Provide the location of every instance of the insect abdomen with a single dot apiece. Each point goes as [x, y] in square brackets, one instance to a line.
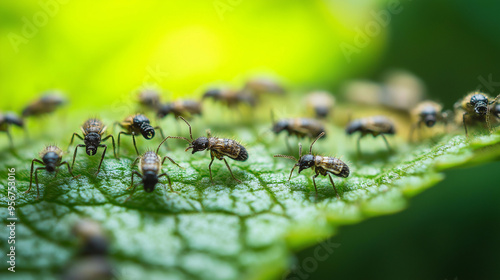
[93, 126]
[334, 166]
[150, 161]
[229, 148]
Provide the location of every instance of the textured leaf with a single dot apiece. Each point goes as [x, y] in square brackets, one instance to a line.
[223, 230]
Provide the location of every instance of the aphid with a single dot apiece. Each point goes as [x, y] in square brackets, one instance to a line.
[150, 164]
[93, 130]
[92, 261]
[218, 147]
[300, 127]
[399, 90]
[6, 120]
[149, 98]
[51, 160]
[92, 238]
[231, 98]
[185, 108]
[135, 125]
[476, 107]
[263, 85]
[428, 113]
[376, 125]
[321, 102]
[320, 164]
[48, 103]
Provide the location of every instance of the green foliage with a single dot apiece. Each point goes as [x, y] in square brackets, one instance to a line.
[223, 230]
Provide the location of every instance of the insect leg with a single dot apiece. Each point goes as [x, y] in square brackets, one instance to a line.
[231, 171]
[69, 169]
[161, 131]
[73, 138]
[135, 145]
[132, 178]
[102, 158]
[11, 142]
[169, 181]
[465, 125]
[36, 181]
[359, 144]
[291, 172]
[314, 182]
[132, 183]
[386, 142]
[135, 161]
[31, 173]
[333, 185]
[171, 160]
[112, 141]
[74, 154]
[210, 167]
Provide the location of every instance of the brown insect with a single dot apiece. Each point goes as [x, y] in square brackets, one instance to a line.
[321, 102]
[51, 160]
[150, 164]
[231, 98]
[46, 104]
[92, 261]
[92, 238]
[477, 108]
[136, 125]
[218, 147]
[428, 113]
[149, 98]
[92, 130]
[184, 108]
[300, 127]
[262, 85]
[376, 125]
[6, 120]
[320, 164]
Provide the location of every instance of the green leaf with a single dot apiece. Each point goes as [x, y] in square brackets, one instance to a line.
[223, 230]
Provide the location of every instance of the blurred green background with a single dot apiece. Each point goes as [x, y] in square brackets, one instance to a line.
[100, 52]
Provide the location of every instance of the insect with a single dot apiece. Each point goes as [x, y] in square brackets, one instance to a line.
[428, 113]
[51, 160]
[135, 125]
[320, 164]
[6, 120]
[46, 104]
[476, 107]
[231, 98]
[150, 164]
[300, 127]
[185, 108]
[496, 110]
[321, 102]
[92, 238]
[93, 129]
[92, 260]
[376, 125]
[149, 98]
[263, 85]
[218, 147]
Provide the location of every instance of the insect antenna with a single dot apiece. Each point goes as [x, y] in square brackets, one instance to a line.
[319, 136]
[285, 156]
[190, 133]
